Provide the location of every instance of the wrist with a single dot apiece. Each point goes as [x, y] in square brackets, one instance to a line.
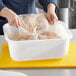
[51, 7]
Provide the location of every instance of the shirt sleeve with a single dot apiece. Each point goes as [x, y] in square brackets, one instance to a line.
[1, 4]
[44, 3]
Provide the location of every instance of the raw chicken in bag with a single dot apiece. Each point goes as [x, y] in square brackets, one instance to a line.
[37, 27]
[28, 28]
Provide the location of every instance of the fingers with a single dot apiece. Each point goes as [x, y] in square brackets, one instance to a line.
[11, 23]
[52, 19]
[49, 19]
[19, 22]
[15, 22]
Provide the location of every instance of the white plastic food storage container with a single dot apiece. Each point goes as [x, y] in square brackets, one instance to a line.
[37, 49]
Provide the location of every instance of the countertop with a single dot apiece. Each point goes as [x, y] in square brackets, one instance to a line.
[46, 72]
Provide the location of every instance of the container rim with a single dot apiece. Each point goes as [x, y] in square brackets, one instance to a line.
[68, 37]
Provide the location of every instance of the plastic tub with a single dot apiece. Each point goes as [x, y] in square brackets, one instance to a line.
[37, 49]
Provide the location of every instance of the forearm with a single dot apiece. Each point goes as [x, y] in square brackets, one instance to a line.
[5, 12]
[12, 18]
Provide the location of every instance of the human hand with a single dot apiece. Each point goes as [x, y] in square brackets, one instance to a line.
[12, 18]
[51, 15]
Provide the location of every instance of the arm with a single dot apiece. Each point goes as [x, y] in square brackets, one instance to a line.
[50, 7]
[45, 3]
[9, 15]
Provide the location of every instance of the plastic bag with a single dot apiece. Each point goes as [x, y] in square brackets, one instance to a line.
[36, 27]
[28, 27]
